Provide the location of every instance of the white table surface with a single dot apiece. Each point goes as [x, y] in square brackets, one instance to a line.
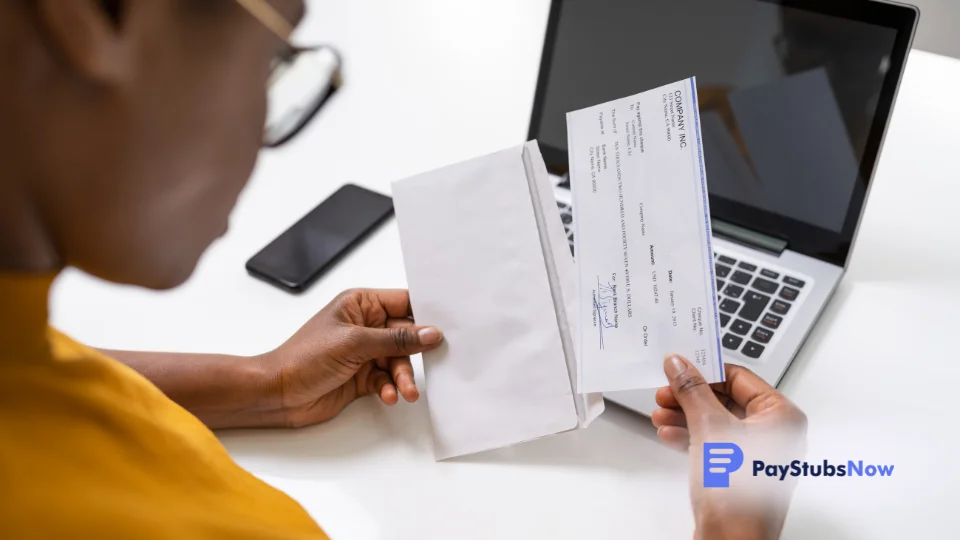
[431, 82]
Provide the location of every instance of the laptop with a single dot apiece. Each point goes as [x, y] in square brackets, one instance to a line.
[795, 99]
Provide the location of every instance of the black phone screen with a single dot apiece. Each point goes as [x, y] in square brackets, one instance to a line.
[308, 248]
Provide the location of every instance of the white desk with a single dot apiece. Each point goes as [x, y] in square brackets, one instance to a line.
[877, 377]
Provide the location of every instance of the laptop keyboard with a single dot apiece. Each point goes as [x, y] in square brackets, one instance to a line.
[755, 303]
[755, 300]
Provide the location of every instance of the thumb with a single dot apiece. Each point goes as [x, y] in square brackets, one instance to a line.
[695, 396]
[398, 341]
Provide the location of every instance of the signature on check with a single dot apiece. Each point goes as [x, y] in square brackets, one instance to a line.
[604, 302]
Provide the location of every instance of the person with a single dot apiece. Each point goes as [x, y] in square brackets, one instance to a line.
[130, 128]
[745, 410]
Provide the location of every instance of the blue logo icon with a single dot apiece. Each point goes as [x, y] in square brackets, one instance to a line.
[719, 460]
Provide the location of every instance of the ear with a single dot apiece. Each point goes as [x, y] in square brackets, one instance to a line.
[91, 36]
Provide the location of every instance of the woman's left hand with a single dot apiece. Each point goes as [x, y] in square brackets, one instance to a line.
[360, 344]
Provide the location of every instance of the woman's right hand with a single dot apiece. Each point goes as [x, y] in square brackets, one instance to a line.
[746, 411]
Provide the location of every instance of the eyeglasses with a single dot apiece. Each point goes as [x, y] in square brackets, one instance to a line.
[302, 79]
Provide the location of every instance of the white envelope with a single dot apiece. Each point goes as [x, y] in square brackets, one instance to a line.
[487, 262]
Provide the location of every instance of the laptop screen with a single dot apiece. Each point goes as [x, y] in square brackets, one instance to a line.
[794, 97]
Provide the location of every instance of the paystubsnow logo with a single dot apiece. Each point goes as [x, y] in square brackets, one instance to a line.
[720, 460]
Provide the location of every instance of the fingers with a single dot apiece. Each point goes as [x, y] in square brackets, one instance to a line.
[393, 379]
[667, 400]
[384, 362]
[373, 343]
[395, 302]
[388, 395]
[380, 384]
[677, 438]
[690, 389]
[402, 373]
[399, 367]
[392, 374]
[399, 379]
[668, 417]
[731, 405]
[744, 387]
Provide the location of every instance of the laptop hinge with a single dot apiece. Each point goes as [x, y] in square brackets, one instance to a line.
[748, 238]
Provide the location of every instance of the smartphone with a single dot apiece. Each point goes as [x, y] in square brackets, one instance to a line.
[315, 243]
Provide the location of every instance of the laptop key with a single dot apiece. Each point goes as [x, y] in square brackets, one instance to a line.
[765, 286]
[753, 306]
[724, 320]
[727, 260]
[566, 218]
[732, 342]
[794, 282]
[740, 277]
[740, 327]
[789, 294]
[780, 308]
[748, 267]
[771, 321]
[563, 206]
[733, 291]
[729, 306]
[723, 271]
[770, 274]
[752, 350]
[762, 335]
[720, 284]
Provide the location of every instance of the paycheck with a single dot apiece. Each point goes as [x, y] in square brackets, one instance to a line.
[645, 263]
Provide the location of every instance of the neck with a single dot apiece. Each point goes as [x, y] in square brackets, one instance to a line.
[26, 245]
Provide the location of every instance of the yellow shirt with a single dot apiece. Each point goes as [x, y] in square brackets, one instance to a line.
[90, 449]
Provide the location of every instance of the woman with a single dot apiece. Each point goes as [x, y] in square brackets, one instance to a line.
[129, 129]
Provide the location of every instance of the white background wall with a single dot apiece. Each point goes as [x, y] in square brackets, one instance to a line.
[939, 30]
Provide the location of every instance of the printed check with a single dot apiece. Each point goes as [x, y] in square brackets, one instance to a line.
[643, 240]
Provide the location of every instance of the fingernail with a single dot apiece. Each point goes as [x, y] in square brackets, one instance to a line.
[674, 366]
[429, 335]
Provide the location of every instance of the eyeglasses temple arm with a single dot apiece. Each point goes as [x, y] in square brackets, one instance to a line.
[270, 17]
